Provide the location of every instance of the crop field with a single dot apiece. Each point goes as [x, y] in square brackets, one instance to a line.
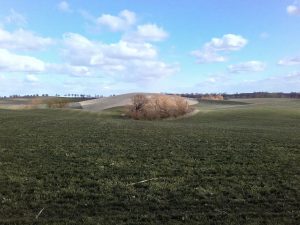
[233, 163]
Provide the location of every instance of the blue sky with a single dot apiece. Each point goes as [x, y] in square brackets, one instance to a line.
[112, 47]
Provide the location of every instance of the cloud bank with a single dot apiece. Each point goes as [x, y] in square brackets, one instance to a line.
[23, 40]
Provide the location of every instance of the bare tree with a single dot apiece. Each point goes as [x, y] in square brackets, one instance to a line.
[138, 106]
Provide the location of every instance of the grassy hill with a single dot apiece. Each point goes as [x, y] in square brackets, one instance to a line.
[229, 164]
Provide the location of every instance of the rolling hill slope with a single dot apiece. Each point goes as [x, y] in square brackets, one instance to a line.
[100, 104]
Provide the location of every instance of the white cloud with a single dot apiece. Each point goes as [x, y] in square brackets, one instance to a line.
[78, 49]
[149, 70]
[23, 40]
[229, 42]
[207, 56]
[82, 51]
[64, 6]
[128, 50]
[210, 51]
[125, 22]
[15, 18]
[149, 32]
[291, 61]
[122, 22]
[123, 60]
[31, 78]
[77, 71]
[10, 62]
[293, 10]
[250, 66]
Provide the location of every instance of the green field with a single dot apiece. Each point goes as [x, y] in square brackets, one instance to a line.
[228, 164]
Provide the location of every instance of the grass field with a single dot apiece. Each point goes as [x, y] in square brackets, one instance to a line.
[229, 164]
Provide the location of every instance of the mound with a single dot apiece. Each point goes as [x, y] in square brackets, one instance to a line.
[97, 105]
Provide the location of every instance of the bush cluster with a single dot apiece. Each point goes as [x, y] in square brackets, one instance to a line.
[212, 97]
[157, 107]
[51, 102]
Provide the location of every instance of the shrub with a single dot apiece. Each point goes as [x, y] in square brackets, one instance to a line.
[212, 97]
[157, 107]
[49, 102]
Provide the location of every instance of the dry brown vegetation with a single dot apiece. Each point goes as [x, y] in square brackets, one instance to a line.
[50, 102]
[157, 107]
[212, 97]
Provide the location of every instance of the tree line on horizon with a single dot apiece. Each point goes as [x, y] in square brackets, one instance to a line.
[81, 96]
[245, 95]
[295, 95]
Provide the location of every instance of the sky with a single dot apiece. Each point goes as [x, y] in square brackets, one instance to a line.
[119, 46]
